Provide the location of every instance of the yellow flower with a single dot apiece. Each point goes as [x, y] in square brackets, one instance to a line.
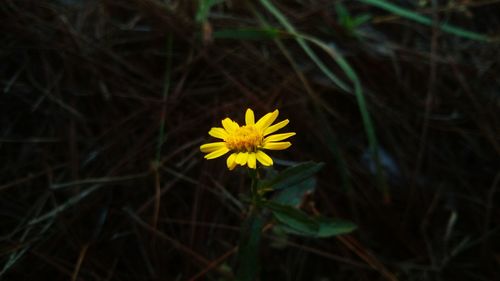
[247, 141]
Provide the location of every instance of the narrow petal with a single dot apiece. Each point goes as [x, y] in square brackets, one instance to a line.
[229, 125]
[275, 127]
[252, 160]
[263, 158]
[278, 137]
[277, 145]
[218, 153]
[242, 158]
[249, 117]
[211, 147]
[231, 161]
[267, 120]
[217, 132]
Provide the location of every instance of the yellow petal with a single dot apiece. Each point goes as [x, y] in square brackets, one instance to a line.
[278, 137]
[252, 160]
[277, 145]
[229, 125]
[217, 132]
[242, 158]
[211, 147]
[267, 120]
[218, 153]
[275, 127]
[249, 117]
[263, 158]
[231, 161]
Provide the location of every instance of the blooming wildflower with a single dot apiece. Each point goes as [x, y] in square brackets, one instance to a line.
[247, 142]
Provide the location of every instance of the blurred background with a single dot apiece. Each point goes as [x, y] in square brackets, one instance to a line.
[103, 106]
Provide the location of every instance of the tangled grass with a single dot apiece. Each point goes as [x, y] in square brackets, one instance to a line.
[104, 105]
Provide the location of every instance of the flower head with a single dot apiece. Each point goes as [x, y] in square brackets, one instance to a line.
[247, 142]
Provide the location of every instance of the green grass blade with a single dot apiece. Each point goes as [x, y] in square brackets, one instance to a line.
[425, 20]
[319, 106]
[363, 108]
[350, 73]
[303, 44]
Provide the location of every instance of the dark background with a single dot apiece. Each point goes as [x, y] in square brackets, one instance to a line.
[90, 189]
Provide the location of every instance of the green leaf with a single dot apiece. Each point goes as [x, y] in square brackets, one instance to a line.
[248, 33]
[293, 195]
[291, 176]
[294, 221]
[248, 251]
[329, 227]
[293, 218]
[294, 231]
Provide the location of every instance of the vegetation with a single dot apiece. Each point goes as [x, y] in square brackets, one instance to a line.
[104, 106]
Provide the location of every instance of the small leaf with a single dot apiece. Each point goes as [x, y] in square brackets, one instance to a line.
[293, 218]
[292, 176]
[293, 195]
[294, 221]
[332, 227]
[293, 231]
[327, 228]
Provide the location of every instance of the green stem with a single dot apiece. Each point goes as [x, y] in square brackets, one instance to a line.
[248, 252]
[253, 188]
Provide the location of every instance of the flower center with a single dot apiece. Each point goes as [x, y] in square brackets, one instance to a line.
[246, 138]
